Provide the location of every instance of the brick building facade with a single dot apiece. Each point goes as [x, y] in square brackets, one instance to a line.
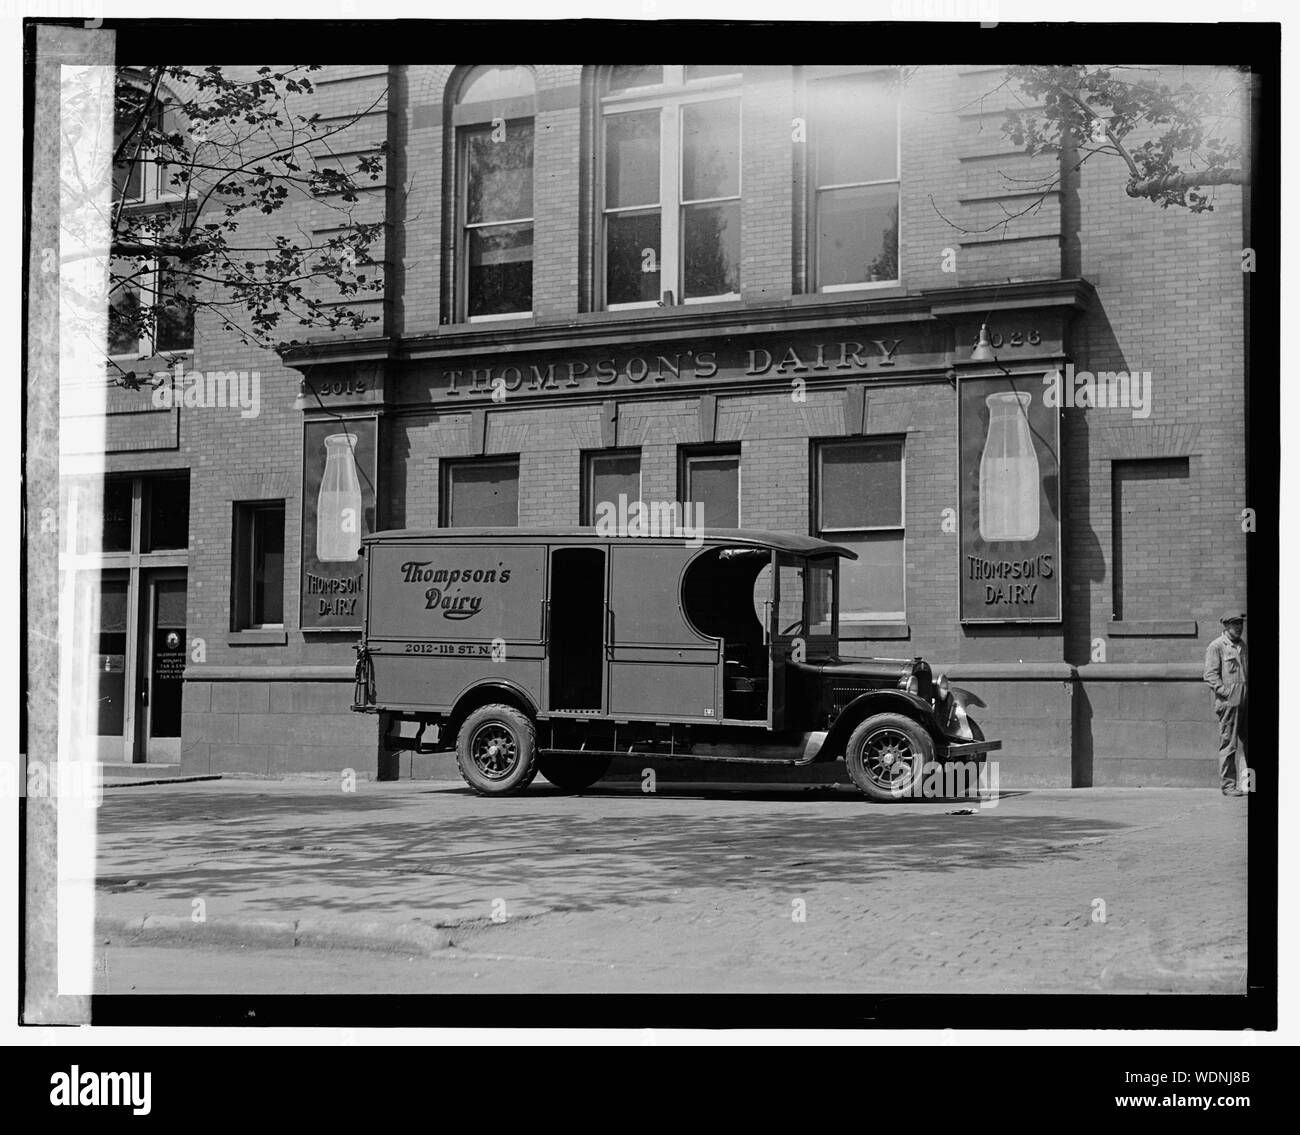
[704, 291]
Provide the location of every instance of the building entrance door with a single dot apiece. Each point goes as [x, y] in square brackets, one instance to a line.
[162, 661]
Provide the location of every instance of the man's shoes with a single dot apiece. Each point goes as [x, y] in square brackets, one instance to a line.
[1233, 792]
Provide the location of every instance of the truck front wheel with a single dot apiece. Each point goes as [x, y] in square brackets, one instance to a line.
[886, 756]
[496, 750]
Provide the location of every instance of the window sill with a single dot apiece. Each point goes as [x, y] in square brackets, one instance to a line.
[257, 638]
[481, 323]
[850, 295]
[147, 365]
[704, 303]
[1151, 628]
[515, 317]
[859, 632]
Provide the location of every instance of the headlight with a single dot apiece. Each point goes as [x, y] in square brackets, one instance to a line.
[942, 686]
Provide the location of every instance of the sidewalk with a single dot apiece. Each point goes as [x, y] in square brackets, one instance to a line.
[414, 866]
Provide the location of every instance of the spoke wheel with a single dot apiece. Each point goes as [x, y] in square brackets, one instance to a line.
[496, 750]
[886, 756]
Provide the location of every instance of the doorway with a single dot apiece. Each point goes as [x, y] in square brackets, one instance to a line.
[577, 630]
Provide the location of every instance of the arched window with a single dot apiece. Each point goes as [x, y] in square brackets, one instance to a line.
[493, 120]
[670, 193]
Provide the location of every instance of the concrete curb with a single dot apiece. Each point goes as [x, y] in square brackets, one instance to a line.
[132, 782]
[312, 933]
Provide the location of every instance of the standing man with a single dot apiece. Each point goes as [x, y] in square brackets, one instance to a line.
[1225, 674]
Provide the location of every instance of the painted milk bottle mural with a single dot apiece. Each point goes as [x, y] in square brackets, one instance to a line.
[338, 505]
[1009, 475]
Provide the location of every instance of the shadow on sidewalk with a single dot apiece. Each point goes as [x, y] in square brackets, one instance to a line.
[263, 852]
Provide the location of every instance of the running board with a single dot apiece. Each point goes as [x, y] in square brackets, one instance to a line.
[679, 756]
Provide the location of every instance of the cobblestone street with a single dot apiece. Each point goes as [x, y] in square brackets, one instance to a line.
[699, 888]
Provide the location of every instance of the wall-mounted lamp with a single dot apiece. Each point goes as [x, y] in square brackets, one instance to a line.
[983, 352]
[300, 403]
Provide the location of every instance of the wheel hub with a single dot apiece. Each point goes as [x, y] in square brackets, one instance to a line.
[889, 758]
[493, 750]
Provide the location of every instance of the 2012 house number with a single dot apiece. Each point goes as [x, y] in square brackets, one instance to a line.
[342, 386]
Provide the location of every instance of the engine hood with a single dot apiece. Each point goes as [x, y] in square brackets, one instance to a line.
[874, 671]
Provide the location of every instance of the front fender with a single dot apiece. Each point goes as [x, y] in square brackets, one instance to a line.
[878, 701]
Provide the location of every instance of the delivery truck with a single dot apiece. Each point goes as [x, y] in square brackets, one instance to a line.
[556, 650]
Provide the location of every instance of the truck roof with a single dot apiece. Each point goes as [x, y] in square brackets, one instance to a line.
[751, 537]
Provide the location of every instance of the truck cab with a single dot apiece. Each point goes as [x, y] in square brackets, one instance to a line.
[555, 650]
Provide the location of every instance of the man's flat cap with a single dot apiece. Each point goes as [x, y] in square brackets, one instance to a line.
[1233, 617]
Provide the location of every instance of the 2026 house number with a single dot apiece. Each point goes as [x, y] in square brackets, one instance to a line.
[1015, 339]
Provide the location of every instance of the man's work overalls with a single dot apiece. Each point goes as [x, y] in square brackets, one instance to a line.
[1225, 674]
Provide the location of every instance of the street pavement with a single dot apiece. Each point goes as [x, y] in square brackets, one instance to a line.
[417, 886]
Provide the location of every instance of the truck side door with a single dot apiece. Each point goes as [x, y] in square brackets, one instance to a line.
[660, 667]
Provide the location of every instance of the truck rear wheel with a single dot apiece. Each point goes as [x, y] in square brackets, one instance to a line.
[572, 774]
[886, 756]
[496, 750]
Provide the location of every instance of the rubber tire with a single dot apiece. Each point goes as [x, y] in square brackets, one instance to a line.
[572, 774]
[517, 724]
[920, 744]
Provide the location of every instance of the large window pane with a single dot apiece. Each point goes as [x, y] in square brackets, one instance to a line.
[632, 255]
[501, 269]
[856, 129]
[257, 592]
[710, 149]
[168, 523]
[861, 485]
[711, 249]
[127, 173]
[857, 235]
[110, 659]
[872, 587]
[698, 71]
[499, 174]
[134, 171]
[125, 329]
[713, 481]
[681, 160]
[622, 76]
[608, 476]
[268, 566]
[175, 312]
[632, 159]
[483, 494]
[104, 516]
